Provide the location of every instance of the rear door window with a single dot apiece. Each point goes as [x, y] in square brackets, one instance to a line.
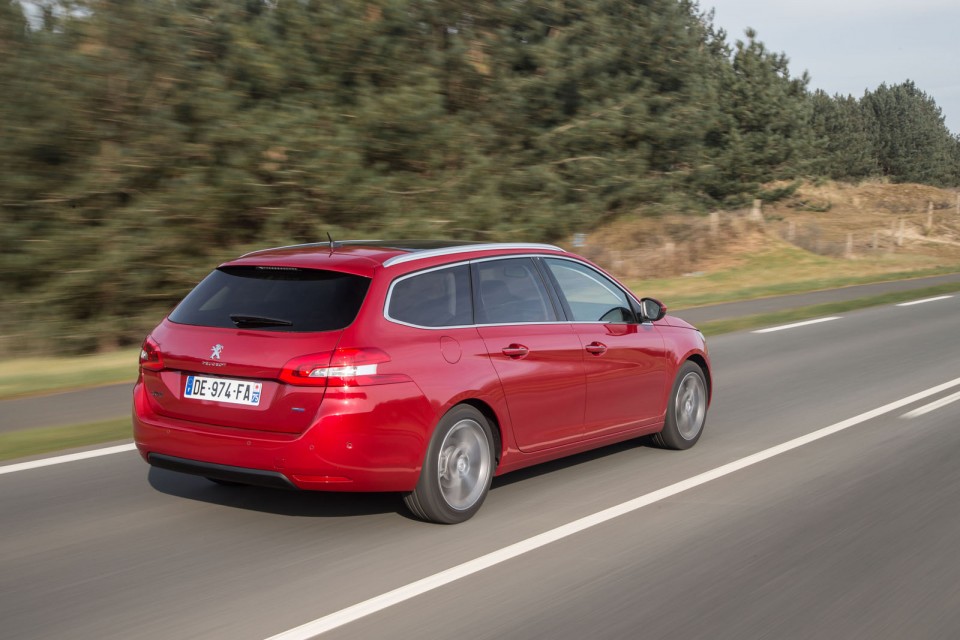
[274, 299]
[510, 291]
[436, 298]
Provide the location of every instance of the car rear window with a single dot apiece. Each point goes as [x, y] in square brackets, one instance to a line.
[274, 299]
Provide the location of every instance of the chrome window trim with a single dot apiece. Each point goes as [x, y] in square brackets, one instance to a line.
[389, 318]
[446, 251]
[477, 326]
[389, 297]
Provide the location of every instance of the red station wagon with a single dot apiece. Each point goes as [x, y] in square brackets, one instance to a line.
[424, 368]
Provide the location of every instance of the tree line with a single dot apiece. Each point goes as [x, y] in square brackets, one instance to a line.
[144, 140]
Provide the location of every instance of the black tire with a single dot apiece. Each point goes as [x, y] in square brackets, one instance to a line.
[457, 469]
[686, 409]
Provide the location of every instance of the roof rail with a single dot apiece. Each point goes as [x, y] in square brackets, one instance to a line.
[430, 253]
[309, 245]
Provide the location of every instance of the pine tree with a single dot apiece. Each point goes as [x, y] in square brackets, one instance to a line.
[911, 139]
[763, 135]
[843, 132]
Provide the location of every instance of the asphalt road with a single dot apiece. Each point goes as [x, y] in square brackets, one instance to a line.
[73, 407]
[113, 401]
[853, 535]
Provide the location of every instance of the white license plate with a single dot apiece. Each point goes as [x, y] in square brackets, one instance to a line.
[223, 390]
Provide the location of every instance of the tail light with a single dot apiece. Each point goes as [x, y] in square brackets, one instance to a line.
[340, 368]
[150, 356]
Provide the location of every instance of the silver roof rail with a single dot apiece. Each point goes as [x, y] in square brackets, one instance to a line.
[468, 248]
[308, 245]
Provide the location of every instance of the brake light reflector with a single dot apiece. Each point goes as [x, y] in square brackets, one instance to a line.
[150, 356]
[341, 368]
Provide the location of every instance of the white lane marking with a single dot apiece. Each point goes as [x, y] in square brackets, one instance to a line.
[70, 457]
[406, 592]
[933, 406]
[796, 324]
[924, 301]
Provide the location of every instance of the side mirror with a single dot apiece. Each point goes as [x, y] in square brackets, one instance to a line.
[652, 310]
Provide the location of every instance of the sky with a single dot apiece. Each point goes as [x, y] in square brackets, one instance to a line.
[851, 46]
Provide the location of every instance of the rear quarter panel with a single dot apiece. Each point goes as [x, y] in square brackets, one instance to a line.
[449, 365]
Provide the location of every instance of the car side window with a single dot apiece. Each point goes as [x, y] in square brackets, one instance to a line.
[510, 290]
[590, 295]
[437, 298]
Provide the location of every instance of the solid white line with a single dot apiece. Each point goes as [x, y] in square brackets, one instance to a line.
[933, 406]
[406, 592]
[924, 301]
[796, 324]
[70, 457]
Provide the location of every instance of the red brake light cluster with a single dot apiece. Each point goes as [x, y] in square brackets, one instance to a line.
[150, 356]
[340, 368]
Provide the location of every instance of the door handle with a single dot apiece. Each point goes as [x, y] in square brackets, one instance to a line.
[596, 348]
[515, 351]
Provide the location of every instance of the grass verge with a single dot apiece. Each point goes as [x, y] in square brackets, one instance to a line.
[34, 376]
[736, 286]
[31, 442]
[814, 311]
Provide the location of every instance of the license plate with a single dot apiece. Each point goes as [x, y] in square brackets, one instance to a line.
[223, 390]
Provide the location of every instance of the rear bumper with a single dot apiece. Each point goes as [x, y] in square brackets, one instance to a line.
[365, 439]
[257, 477]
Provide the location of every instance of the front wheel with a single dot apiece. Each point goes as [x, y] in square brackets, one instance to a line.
[458, 469]
[686, 410]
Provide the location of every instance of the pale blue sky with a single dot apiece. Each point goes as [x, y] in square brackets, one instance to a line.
[849, 46]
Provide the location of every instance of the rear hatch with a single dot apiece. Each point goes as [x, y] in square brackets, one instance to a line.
[224, 354]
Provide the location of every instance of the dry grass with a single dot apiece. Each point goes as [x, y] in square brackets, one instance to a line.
[823, 236]
[825, 218]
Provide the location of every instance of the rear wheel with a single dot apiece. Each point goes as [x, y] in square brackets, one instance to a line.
[458, 468]
[686, 410]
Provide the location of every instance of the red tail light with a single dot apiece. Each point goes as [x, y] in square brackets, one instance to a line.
[340, 368]
[150, 356]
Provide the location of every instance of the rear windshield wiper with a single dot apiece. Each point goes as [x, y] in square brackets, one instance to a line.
[242, 320]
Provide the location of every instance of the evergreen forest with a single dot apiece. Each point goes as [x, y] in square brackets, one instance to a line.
[144, 141]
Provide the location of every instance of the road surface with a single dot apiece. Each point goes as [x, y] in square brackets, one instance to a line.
[848, 533]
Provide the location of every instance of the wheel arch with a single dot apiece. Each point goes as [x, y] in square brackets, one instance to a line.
[701, 362]
[487, 411]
